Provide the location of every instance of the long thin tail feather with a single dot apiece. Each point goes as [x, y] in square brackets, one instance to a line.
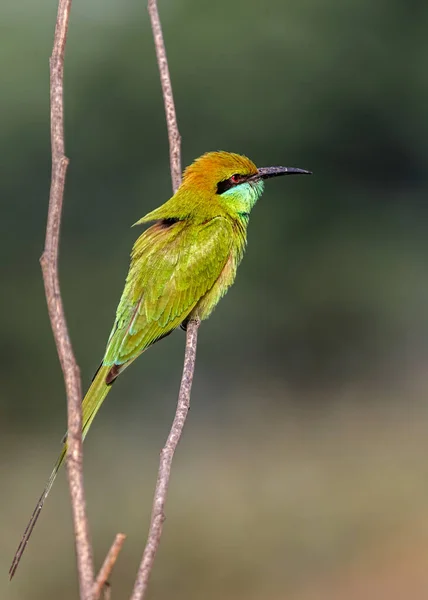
[90, 406]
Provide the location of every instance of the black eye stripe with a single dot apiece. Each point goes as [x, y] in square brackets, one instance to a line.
[226, 184]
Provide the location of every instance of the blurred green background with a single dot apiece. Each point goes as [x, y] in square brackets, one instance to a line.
[303, 472]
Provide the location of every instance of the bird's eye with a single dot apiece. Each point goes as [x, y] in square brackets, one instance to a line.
[235, 178]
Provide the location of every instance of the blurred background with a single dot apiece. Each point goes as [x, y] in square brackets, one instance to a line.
[303, 472]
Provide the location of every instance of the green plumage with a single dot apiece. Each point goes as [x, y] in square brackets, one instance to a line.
[180, 268]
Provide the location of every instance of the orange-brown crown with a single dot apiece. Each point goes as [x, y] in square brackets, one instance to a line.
[211, 168]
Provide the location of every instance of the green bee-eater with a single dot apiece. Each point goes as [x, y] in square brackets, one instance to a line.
[180, 268]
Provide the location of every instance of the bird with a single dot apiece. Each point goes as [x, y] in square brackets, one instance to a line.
[181, 266]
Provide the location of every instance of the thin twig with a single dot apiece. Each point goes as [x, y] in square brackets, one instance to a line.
[106, 591]
[109, 562]
[49, 264]
[166, 456]
[168, 98]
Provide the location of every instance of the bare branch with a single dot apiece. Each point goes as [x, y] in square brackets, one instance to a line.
[166, 456]
[183, 404]
[101, 582]
[168, 98]
[49, 263]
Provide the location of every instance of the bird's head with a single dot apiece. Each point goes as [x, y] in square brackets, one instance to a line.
[232, 179]
[217, 183]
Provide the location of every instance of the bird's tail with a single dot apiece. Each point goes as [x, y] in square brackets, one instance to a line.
[90, 405]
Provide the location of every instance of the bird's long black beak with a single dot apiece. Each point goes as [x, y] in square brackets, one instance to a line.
[268, 172]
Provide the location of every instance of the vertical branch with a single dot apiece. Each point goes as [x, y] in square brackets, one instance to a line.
[49, 264]
[166, 456]
[183, 404]
[168, 98]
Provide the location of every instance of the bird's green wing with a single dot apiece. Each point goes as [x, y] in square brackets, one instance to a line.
[173, 265]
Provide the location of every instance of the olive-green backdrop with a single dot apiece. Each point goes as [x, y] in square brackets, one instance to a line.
[304, 456]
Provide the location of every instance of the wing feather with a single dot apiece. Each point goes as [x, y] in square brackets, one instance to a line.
[172, 268]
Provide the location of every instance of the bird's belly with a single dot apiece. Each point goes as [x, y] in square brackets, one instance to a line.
[207, 303]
